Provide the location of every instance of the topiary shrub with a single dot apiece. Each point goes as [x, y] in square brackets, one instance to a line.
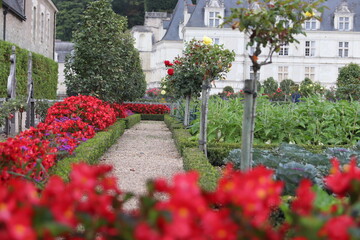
[270, 85]
[286, 85]
[228, 89]
[348, 82]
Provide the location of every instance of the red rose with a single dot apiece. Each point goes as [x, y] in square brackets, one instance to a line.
[168, 63]
[170, 71]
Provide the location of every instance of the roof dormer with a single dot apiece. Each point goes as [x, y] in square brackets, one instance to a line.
[343, 17]
[214, 9]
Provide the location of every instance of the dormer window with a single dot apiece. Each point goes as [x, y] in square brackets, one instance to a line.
[310, 24]
[343, 17]
[344, 24]
[214, 20]
[214, 9]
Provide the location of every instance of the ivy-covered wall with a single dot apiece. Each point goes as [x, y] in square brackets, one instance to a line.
[45, 72]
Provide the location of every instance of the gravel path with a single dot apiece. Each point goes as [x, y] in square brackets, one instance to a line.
[146, 151]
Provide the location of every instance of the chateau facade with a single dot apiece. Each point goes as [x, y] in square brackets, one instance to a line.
[328, 45]
[30, 24]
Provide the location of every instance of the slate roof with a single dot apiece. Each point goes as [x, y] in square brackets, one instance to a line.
[197, 15]
[178, 16]
[15, 6]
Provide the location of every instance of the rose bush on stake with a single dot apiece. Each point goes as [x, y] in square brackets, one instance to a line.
[268, 24]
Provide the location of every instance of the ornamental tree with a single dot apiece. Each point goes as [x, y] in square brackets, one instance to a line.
[212, 61]
[348, 82]
[105, 63]
[268, 25]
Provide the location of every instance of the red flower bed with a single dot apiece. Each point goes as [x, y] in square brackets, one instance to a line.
[89, 109]
[34, 151]
[238, 209]
[147, 108]
[120, 110]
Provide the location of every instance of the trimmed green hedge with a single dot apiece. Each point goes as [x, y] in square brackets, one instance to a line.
[194, 159]
[132, 120]
[152, 117]
[45, 72]
[91, 150]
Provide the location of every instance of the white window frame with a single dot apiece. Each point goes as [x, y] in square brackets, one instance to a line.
[311, 24]
[310, 72]
[343, 49]
[283, 73]
[310, 49]
[214, 20]
[344, 23]
[216, 40]
[284, 50]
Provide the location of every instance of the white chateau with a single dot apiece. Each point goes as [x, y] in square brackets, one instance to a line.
[329, 45]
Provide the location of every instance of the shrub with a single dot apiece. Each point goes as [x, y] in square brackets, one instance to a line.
[286, 85]
[270, 85]
[45, 72]
[348, 82]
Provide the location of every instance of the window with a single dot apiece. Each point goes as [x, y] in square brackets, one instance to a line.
[283, 73]
[214, 21]
[309, 48]
[310, 73]
[216, 40]
[284, 50]
[344, 23]
[42, 27]
[34, 23]
[310, 24]
[343, 49]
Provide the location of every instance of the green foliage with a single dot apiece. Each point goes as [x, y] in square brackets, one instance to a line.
[105, 64]
[132, 120]
[286, 85]
[45, 72]
[41, 108]
[152, 117]
[348, 82]
[91, 150]
[312, 121]
[228, 89]
[195, 160]
[11, 106]
[309, 88]
[159, 5]
[132, 9]
[270, 85]
[193, 110]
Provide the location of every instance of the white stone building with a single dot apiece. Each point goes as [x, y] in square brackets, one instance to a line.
[30, 24]
[328, 46]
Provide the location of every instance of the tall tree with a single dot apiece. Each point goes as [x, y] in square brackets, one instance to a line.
[105, 63]
[132, 9]
[160, 5]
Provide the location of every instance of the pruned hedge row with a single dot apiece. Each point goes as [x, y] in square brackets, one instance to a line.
[45, 72]
[91, 150]
[193, 157]
[152, 117]
[132, 120]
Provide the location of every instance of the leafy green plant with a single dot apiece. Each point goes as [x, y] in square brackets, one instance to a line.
[312, 121]
[8, 108]
[348, 82]
[270, 85]
[106, 63]
[41, 107]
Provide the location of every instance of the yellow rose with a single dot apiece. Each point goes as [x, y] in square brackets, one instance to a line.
[163, 92]
[309, 14]
[207, 40]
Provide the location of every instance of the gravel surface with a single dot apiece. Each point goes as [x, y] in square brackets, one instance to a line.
[146, 151]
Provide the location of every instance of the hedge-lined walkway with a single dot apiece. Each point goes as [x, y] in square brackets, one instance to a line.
[146, 151]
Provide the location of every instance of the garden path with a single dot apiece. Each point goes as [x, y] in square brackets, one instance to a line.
[146, 151]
